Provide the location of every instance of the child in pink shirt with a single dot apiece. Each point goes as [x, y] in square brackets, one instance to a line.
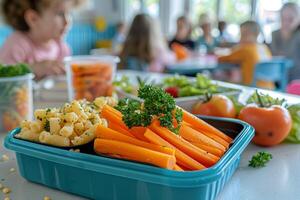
[38, 38]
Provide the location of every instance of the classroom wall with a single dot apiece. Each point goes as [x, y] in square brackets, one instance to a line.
[112, 10]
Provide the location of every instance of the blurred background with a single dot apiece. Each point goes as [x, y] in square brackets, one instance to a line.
[94, 23]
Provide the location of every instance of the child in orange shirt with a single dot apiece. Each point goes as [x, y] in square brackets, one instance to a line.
[248, 53]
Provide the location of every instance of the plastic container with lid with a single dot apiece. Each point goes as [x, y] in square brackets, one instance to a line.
[102, 178]
[90, 76]
[15, 101]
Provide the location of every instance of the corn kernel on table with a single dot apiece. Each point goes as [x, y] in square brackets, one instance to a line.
[280, 179]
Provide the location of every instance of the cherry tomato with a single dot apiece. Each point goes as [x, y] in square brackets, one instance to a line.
[272, 125]
[217, 105]
[173, 91]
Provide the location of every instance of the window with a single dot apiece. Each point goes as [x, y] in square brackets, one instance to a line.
[269, 16]
[203, 6]
[235, 11]
[294, 1]
[137, 6]
[152, 7]
[133, 7]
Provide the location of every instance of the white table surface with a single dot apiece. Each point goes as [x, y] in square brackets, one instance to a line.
[279, 180]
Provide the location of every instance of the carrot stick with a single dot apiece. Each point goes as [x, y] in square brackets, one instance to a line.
[203, 126]
[115, 116]
[210, 135]
[118, 128]
[209, 149]
[111, 115]
[134, 152]
[217, 139]
[183, 168]
[177, 168]
[138, 132]
[182, 158]
[112, 110]
[190, 134]
[200, 155]
[107, 133]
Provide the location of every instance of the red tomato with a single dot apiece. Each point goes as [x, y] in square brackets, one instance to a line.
[173, 91]
[272, 125]
[217, 105]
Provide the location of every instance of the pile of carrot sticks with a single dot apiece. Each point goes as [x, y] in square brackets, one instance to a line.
[197, 146]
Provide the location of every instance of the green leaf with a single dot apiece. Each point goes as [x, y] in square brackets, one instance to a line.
[14, 70]
[260, 159]
[124, 84]
[237, 105]
[265, 100]
[176, 81]
[294, 134]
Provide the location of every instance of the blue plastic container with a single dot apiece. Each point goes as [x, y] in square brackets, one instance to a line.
[103, 178]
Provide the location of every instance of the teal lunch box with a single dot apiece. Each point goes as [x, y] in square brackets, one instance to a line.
[103, 178]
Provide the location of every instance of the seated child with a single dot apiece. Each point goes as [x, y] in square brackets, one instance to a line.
[248, 53]
[206, 40]
[145, 48]
[183, 33]
[38, 37]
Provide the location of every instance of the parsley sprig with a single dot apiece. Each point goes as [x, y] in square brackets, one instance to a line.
[260, 159]
[156, 103]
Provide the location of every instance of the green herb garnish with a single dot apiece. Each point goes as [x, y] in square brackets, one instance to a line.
[47, 126]
[156, 103]
[14, 70]
[260, 159]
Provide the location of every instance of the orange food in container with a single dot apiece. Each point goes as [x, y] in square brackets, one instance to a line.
[90, 76]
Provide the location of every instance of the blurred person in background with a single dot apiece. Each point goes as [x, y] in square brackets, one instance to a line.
[119, 38]
[224, 37]
[183, 33]
[39, 27]
[145, 44]
[248, 53]
[286, 40]
[206, 40]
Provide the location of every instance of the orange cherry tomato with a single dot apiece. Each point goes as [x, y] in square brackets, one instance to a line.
[217, 105]
[272, 125]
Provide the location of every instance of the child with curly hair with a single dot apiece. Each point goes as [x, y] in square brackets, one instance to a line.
[39, 27]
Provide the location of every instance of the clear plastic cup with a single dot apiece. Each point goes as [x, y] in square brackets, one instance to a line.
[15, 101]
[89, 77]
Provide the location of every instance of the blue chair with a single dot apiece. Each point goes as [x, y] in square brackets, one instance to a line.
[274, 70]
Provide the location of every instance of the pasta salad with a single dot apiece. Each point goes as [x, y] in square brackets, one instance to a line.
[72, 125]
